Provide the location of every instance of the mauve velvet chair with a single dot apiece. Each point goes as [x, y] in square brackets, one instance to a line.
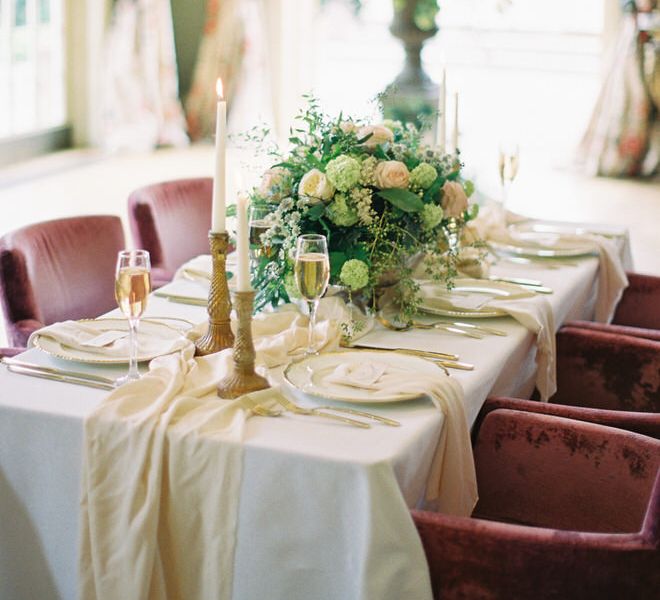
[567, 510]
[8, 352]
[607, 370]
[638, 311]
[58, 270]
[171, 220]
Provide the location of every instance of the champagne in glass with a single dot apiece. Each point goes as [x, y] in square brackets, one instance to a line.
[258, 223]
[312, 273]
[508, 166]
[132, 288]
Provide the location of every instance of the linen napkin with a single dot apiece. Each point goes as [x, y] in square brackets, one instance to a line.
[452, 482]
[491, 224]
[86, 337]
[160, 494]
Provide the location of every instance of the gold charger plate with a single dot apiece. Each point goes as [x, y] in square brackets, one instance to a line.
[439, 301]
[147, 328]
[307, 375]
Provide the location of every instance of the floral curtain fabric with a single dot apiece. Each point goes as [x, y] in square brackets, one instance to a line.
[141, 109]
[623, 137]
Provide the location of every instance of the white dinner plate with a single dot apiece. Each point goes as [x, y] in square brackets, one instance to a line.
[546, 240]
[469, 298]
[308, 374]
[171, 337]
[567, 228]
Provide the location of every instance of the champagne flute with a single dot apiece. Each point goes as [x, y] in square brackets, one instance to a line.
[312, 273]
[132, 288]
[508, 165]
[258, 224]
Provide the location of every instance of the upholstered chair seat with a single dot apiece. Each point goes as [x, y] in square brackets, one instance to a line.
[567, 510]
[171, 220]
[58, 270]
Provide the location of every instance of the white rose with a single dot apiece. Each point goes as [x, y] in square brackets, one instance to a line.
[454, 199]
[391, 174]
[315, 185]
[275, 183]
[380, 135]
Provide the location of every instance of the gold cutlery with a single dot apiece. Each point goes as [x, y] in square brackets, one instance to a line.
[518, 280]
[315, 412]
[180, 299]
[419, 325]
[483, 328]
[410, 351]
[452, 364]
[87, 379]
[361, 413]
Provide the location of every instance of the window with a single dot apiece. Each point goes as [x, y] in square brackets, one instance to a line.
[32, 74]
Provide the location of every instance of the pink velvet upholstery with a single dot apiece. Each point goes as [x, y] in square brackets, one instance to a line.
[567, 510]
[171, 220]
[607, 370]
[638, 422]
[640, 303]
[58, 270]
[7, 352]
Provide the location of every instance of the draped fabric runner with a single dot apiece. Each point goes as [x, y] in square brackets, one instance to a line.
[491, 224]
[162, 467]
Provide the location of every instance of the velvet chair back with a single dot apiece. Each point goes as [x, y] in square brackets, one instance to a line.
[171, 220]
[607, 370]
[567, 511]
[58, 270]
[640, 303]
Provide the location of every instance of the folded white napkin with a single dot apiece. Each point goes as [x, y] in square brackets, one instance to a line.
[492, 222]
[86, 337]
[452, 482]
[202, 266]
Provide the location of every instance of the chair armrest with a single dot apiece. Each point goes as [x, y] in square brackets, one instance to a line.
[640, 303]
[640, 332]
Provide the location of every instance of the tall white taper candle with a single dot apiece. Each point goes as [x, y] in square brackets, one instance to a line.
[219, 179]
[441, 133]
[455, 121]
[242, 244]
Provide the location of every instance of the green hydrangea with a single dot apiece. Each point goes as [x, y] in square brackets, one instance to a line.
[423, 176]
[340, 213]
[431, 216]
[343, 172]
[354, 274]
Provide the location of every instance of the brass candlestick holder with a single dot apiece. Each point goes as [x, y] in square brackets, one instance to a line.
[219, 335]
[243, 380]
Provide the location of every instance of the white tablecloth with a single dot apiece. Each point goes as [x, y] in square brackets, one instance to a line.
[323, 507]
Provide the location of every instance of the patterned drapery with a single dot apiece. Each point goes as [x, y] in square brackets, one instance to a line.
[623, 137]
[141, 109]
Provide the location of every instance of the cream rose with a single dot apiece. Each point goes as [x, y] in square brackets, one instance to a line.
[315, 185]
[379, 135]
[275, 183]
[348, 126]
[391, 174]
[454, 199]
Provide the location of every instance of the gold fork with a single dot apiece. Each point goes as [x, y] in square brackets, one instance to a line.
[299, 410]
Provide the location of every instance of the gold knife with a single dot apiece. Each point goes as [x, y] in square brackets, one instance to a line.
[412, 352]
[12, 362]
[58, 377]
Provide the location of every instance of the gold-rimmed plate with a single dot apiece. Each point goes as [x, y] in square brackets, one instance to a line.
[469, 298]
[163, 339]
[545, 240]
[309, 375]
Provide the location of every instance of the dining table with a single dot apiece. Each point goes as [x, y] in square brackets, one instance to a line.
[323, 508]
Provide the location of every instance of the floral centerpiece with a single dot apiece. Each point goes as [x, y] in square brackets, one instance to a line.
[382, 198]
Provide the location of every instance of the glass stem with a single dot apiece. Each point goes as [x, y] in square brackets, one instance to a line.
[133, 344]
[312, 324]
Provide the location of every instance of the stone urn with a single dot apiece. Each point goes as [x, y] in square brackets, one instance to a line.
[412, 96]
